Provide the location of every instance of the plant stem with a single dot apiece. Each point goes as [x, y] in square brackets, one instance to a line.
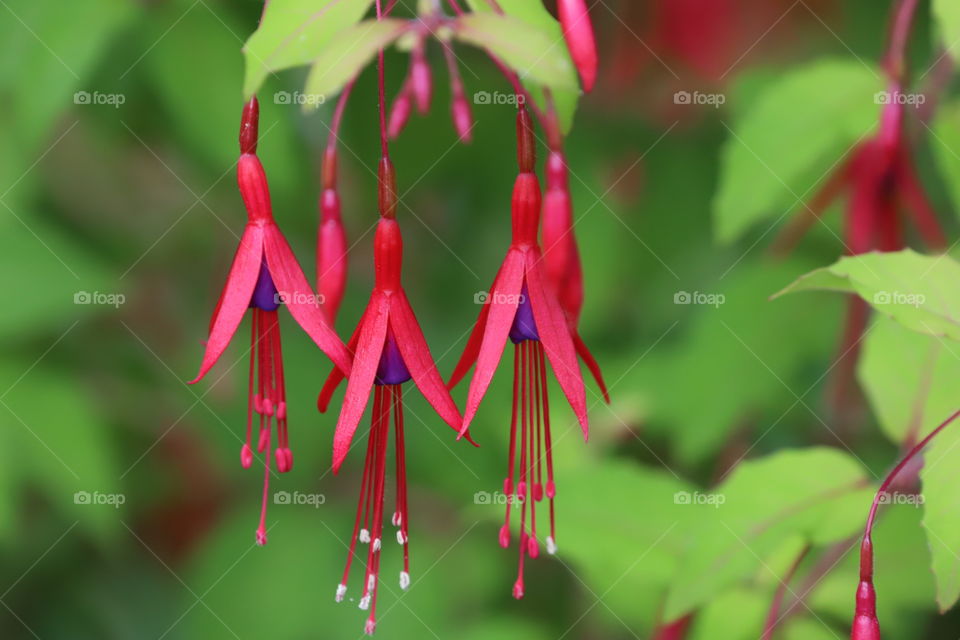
[895, 60]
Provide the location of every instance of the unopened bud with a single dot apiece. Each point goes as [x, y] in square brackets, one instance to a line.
[399, 114]
[249, 126]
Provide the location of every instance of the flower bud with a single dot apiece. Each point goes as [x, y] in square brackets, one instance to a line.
[578, 32]
[421, 80]
[331, 254]
[462, 118]
[399, 114]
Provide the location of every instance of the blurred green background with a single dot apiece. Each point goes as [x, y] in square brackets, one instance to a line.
[120, 215]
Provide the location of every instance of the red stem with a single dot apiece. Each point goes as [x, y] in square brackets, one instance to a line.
[384, 150]
[866, 548]
[896, 58]
[774, 617]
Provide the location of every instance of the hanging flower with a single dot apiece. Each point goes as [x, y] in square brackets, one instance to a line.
[389, 349]
[561, 257]
[521, 306]
[265, 275]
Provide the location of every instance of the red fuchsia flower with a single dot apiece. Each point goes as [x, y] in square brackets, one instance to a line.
[264, 275]
[521, 306]
[561, 257]
[390, 349]
[884, 189]
[578, 32]
[866, 626]
[331, 242]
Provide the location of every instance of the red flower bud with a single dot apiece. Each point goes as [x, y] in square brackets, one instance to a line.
[400, 113]
[578, 31]
[462, 117]
[331, 254]
[421, 81]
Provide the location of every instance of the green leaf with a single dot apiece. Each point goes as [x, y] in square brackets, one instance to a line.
[535, 14]
[635, 550]
[941, 517]
[349, 51]
[734, 614]
[909, 378]
[62, 446]
[947, 13]
[744, 334]
[294, 33]
[58, 61]
[783, 145]
[920, 292]
[766, 503]
[527, 49]
[945, 145]
[55, 270]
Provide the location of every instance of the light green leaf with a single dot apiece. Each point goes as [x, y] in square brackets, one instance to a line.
[349, 51]
[765, 503]
[530, 51]
[536, 15]
[294, 33]
[783, 145]
[945, 145]
[920, 292]
[941, 507]
[735, 614]
[909, 378]
[634, 549]
[947, 13]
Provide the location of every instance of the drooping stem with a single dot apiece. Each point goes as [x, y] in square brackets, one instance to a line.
[773, 616]
[380, 88]
[895, 60]
[866, 545]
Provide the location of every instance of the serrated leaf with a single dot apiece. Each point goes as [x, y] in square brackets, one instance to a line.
[348, 52]
[783, 144]
[527, 49]
[910, 378]
[918, 291]
[765, 503]
[941, 508]
[294, 33]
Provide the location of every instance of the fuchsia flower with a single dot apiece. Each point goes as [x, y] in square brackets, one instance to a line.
[264, 275]
[578, 32]
[390, 349]
[331, 242]
[522, 306]
[561, 257]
